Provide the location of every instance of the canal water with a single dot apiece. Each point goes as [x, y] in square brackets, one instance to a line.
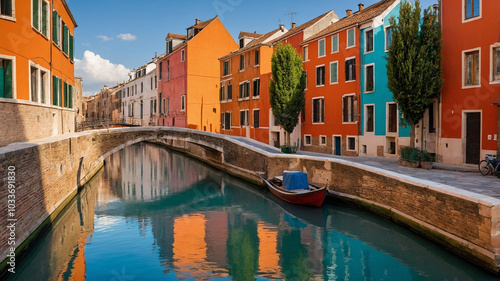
[154, 214]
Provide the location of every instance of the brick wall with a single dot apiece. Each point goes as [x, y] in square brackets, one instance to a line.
[26, 121]
[48, 172]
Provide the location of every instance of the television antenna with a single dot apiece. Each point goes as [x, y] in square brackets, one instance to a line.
[291, 14]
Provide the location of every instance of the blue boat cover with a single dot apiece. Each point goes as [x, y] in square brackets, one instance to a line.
[295, 180]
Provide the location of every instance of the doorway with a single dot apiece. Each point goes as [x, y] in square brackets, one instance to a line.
[337, 145]
[473, 137]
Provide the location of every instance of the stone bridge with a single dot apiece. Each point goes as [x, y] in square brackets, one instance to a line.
[46, 174]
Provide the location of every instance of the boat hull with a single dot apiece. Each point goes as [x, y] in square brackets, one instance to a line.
[311, 198]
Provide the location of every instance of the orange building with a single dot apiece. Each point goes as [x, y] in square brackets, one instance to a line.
[37, 66]
[189, 76]
[471, 72]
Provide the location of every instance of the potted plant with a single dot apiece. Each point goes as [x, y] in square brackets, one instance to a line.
[288, 149]
[426, 160]
[409, 157]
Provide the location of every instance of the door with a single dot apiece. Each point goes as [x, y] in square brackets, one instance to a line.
[338, 146]
[473, 138]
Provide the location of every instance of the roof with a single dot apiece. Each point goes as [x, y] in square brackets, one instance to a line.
[249, 34]
[302, 27]
[204, 24]
[255, 43]
[176, 36]
[69, 12]
[356, 18]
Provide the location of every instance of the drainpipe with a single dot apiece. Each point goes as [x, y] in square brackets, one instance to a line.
[359, 84]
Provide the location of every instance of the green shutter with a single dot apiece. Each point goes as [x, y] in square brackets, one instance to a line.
[44, 18]
[65, 38]
[54, 90]
[71, 97]
[335, 43]
[65, 89]
[54, 27]
[72, 50]
[2, 80]
[35, 14]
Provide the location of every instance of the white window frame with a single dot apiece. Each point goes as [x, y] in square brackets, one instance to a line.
[305, 53]
[338, 46]
[13, 17]
[334, 62]
[492, 56]
[183, 103]
[321, 142]
[305, 140]
[319, 48]
[312, 111]
[347, 38]
[324, 82]
[386, 46]
[14, 75]
[39, 83]
[247, 115]
[463, 68]
[464, 20]
[366, 42]
[366, 119]
[356, 115]
[365, 78]
[249, 90]
[40, 23]
[391, 134]
[355, 142]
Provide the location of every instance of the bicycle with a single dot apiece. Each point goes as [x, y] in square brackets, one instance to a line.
[490, 165]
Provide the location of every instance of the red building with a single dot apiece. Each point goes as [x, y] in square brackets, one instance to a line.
[471, 72]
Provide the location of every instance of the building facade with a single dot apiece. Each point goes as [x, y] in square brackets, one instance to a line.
[189, 77]
[471, 71]
[36, 84]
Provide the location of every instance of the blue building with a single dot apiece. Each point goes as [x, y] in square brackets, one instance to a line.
[382, 130]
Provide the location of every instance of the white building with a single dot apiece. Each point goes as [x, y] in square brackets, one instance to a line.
[139, 96]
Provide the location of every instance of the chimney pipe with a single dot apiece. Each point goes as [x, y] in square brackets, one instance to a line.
[294, 25]
[197, 21]
[282, 27]
[348, 12]
[361, 6]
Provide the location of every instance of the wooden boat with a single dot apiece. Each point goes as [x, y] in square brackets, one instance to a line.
[310, 196]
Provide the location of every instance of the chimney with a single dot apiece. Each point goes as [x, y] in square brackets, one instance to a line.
[282, 27]
[197, 21]
[348, 12]
[294, 25]
[361, 6]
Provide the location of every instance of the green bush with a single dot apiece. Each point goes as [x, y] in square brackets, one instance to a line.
[425, 156]
[409, 154]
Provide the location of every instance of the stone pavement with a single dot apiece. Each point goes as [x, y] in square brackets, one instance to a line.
[463, 177]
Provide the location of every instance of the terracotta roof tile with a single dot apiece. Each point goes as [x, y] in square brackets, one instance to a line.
[300, 28]
[249, 34]
[255, 43]
[357, 17]
[176, 36]
[204, 24]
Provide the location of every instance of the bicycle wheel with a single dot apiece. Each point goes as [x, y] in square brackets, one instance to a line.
[484, 168]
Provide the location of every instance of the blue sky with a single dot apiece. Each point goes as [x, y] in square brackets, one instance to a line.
[114, 36]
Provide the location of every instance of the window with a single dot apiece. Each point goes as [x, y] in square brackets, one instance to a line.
[244, 118]
[39, 84]
[6, 78]
[256, 118]
[226, 68]
[6, 8]
[242, 43]
[221, 93]
[183, 55]
[305, 53]
[307, 139]
[162, 110]
[56, 27]
[65, 38]
[242, 62]
[351, 143]
[322, 140]
[319, 110]
[142, 87]
[334, 75]
[169, 47]
[350, 69]
[471, 66]
[160, 69]
[370, 119]
[496, 64]
[388, 37]
[257, 57]
[335, 43]
[71, 47]
[34, 84]
[183, 103]
[222, 122]
[156, 82]
[432, 125]
[167, 110]
[256, 88]
[369, 78]
[40, 19]
[350, 38]
[56, 91]
[321, 48]
[472, 8]
[229, 91]
[135, 91]
[244, 90]
[320, 75]
[227, 121]
[68, 96]
[349, 109]
[369, 41]
[392, 120]
[168, 70]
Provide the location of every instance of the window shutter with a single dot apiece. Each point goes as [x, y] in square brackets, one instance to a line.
[6, 79]
[54, 90]
[35, 14]
[2, 79]
[72, 51]
[54, 27]
[230, 92]
[65, 38]
[44, 18]
[346, 109]
[346, 70]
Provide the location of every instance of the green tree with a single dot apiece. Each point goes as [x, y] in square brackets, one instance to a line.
[414, 62]
[287, 87]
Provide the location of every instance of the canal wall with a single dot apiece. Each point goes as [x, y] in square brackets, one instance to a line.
[49, 172]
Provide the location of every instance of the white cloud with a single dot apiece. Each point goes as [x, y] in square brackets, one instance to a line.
[104, 38]
[127, 37]
[97, 72]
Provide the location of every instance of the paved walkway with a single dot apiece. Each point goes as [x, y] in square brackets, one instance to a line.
[463, 177]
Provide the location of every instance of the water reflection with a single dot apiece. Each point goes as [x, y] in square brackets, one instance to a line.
[157, 215]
